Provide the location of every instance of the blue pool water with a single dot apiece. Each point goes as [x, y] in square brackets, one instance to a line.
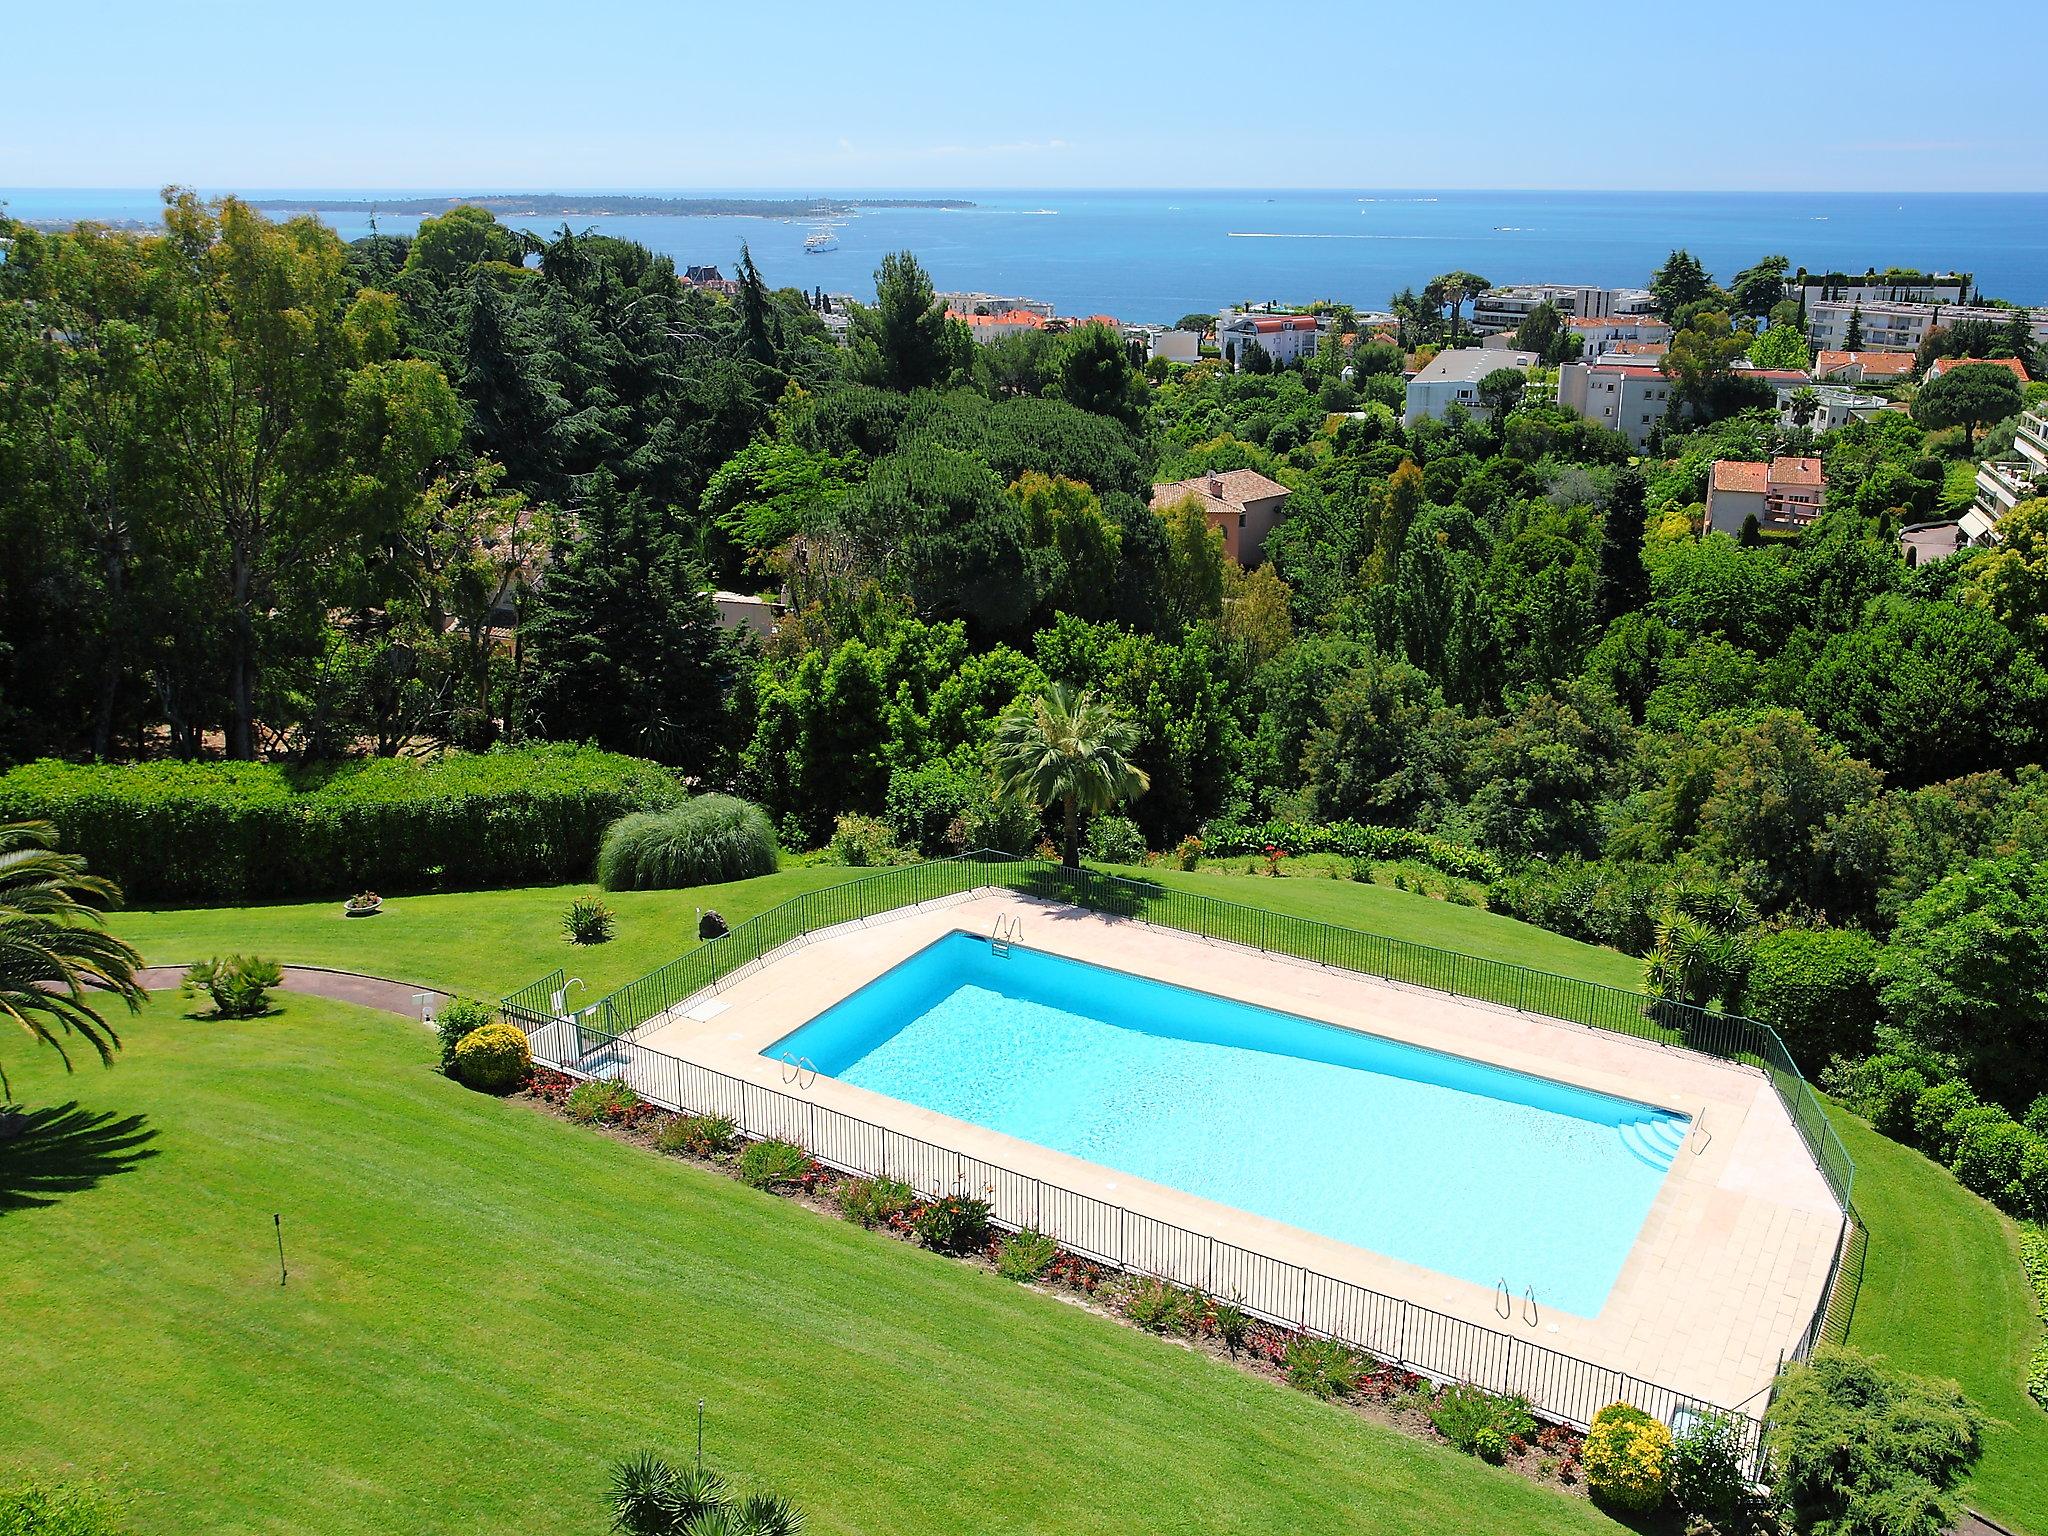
[1464, 1168]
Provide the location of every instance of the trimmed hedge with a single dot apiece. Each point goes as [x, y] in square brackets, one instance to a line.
[1352, 840]
[177, 831]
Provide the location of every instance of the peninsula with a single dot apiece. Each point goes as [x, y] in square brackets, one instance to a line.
[590, 205]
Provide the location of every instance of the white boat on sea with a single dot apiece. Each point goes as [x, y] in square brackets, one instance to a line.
[824, 240]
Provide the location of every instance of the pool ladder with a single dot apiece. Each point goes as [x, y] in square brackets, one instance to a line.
[1007, 931]
[1504, 1302]
[799, 1070]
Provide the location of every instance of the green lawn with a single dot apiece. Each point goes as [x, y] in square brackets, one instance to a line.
[484, 942]
[486, 1305]
[490, 942]
[1418, 919]
[1943, 1294]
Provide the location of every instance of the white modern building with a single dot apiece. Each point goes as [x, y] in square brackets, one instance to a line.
[1629, 398]
[994, 304]
[1284, 338]
[1175, 346]
[1502, 309]
[1834, 406]
[1900, 326]
[1878, 287]
[2004, 483]
[1599, 333]
[1452, 379]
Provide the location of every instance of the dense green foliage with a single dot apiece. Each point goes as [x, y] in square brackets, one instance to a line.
[1863, 1450]
[703, 841]
[192, 830]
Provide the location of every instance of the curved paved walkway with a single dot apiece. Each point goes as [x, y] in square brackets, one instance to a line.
[399, 997]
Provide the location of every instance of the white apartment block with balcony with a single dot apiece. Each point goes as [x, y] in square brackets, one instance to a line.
[1285, 338]
[1900, 326]
[1834, 406]
[2005, 483]
[1502, 309]
[1629, 398]
[1879, 288]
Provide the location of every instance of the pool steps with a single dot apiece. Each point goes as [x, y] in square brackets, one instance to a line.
[1653, 1139]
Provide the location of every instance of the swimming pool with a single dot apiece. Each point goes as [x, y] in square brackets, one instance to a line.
[1468, 1169]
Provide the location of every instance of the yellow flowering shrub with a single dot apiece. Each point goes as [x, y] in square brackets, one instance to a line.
[1627, 1458]
[493, 1059]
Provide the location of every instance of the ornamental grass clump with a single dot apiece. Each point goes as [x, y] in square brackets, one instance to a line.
[1628, 1459]
[952, 1224]
[698, 1135]
[876, 1202]
[239, 986]
[1321, 1367]
[774, 1164]
[1481, 1423]
[704, 841]
[1025, 1256]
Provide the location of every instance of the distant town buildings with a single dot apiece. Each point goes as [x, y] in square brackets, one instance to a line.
[1242, 502]
[1783, 495]
[1627, 397]
[1502, 309]
[991, 326]
[1452, 378]
[1599, 334]
[994, 304]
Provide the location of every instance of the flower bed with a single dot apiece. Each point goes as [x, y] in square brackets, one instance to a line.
[1351, 1379]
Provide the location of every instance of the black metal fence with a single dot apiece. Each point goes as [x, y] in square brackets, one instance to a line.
[594, 1042]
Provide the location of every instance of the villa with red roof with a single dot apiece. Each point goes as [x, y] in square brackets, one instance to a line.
[987, 328]
[1863, 367]
[1784, 495]
[1242, 502]
[1283, 338]
[1943, 365]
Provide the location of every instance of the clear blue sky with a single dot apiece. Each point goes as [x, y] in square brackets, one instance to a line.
[574, 94]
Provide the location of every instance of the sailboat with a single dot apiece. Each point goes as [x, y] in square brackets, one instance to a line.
[820, 242]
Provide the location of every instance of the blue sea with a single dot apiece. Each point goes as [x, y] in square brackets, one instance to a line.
[1154, 255]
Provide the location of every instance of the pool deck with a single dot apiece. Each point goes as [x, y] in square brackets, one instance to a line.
[1728, 1269]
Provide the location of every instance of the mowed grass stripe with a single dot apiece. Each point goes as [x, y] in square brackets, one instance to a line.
[486, 1306]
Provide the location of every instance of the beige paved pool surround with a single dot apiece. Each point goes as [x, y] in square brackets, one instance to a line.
[1726, 1272]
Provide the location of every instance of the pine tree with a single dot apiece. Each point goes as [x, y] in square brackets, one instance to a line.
[1852, 340]
[624, 644]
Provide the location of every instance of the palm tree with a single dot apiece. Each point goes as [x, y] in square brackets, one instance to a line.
[651, 1498]
[1068, 746]
[54, 950]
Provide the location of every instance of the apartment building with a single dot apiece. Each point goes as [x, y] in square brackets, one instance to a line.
[1899, 326]
[1629, 397]
[1284, 338]
[1502, 309]
[1895, 287]
[2004, 483]
[1452, 378]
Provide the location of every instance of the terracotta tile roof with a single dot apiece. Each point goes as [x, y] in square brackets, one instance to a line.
[1230, 487]
[1593, 322]
[1740, 475]
[1942, 365]
[1783, 473]
[1637, 348]
[1775, 375]
[1021, 317]
[1875, 365]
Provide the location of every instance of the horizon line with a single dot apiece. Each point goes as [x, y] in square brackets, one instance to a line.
[798, 189]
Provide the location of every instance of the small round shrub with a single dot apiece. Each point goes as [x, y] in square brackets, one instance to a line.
[952, 1224]
[494, 1058]
[863, 842]
[1936, 1118]
[1489, 1444]
[459, 1018]
[239, 986]
[1115, 840]
[698, 1135]
[1160, 1307]
[703, 841]
[773, 1164]
[1628, 1459]
[1025, 1256]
